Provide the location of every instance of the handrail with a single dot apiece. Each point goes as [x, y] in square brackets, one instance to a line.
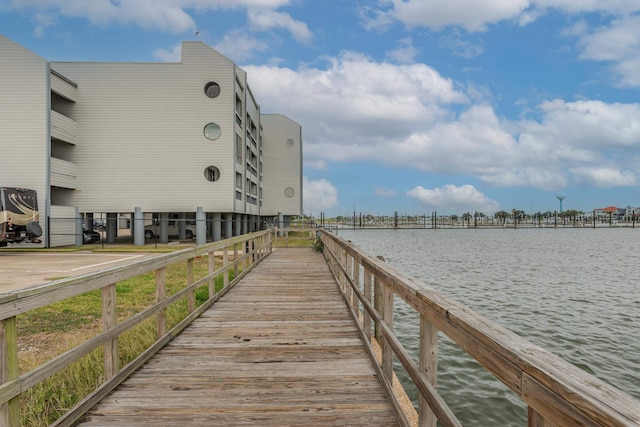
[304, 235]
[248, 250]
[556, 392]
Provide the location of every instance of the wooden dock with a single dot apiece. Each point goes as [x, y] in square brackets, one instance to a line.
[280, 348]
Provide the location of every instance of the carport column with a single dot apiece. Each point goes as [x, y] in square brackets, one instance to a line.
[228, 225]
[88, 221]
[237, 224]
[182, 226]
[201, 226]
[164, 227]
[138, 227]
[280, 223]
[79, 239]
[112, 227]
[217, 227]
[245, 224]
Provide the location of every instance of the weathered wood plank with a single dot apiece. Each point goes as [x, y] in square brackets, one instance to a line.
[279, 349]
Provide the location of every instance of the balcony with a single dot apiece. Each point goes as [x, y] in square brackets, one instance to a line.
[63, 86]
[63, 128]
[63, 173]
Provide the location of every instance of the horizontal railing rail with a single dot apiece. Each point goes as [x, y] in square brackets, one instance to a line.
[239, 255]
[557, 393]
[295, 237]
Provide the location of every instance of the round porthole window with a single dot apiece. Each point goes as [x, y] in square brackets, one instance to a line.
[212, 131]
[289, 192]
[212, 173]
[212, 89]
[290, 142]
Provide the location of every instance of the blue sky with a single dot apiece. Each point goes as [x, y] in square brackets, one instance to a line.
[412, 106]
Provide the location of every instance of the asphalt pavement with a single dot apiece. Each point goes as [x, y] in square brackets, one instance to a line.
[19, 270]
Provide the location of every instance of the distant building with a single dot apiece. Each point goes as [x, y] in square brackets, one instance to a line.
[631, 213]
[182, 140]
[610, 212]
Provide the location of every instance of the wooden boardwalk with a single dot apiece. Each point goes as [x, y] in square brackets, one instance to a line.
[280, 349]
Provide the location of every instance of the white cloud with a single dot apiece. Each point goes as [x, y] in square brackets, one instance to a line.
[268, 19]
[415, 123]
[459, 46]
[384, 192]
[604, 177]
[473, 15]
[169, 55]
[619, 44]
[239, 45]
[337, 103]
[42, 21]
[591, 125]
[168, 16]
[465, 198]
[469, 14]
[319, 195]
[609, 7]
[404, 53]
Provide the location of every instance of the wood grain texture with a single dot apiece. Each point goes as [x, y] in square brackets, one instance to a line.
[279, 349]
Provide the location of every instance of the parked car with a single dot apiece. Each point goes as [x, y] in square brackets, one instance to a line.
[151, 230]
[90, 236]
[99, 225]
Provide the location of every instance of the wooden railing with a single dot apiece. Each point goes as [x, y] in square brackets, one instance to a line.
[556, 392]
[239, 255]
[294, 237]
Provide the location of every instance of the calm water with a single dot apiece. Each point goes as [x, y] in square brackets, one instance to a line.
[574, 292]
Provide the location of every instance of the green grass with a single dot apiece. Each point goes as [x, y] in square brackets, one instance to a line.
[297, 239]
[49, 331]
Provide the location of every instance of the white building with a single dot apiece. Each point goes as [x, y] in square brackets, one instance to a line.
[180, 140]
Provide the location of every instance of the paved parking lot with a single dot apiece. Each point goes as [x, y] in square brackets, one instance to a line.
[20, 270]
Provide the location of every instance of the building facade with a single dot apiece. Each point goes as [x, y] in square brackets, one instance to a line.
[184, 141]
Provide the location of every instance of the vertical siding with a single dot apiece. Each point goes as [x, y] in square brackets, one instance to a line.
[63, 226]
[23, 120]
[282, 165]
[140, 135]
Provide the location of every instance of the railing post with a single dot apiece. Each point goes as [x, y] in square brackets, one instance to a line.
[225, 264]
[429, 365]
[537, 420]
[348, 272]
[356, 281]
[235, 260]
[109, 320]
[245, 253]
[191, 295]
[377, 300]
[367, 295]
[10, 411]
[387, 317]
[160, 295]
[210, 269]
